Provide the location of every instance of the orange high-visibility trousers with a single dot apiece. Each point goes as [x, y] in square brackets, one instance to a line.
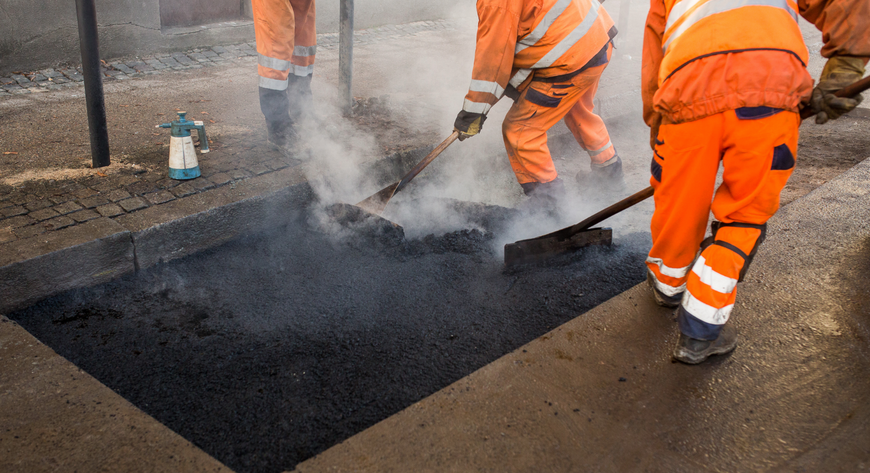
[539, 108]
[286, 40]
[757, 148]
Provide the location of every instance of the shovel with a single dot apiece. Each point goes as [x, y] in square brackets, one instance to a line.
[580, 235]
[377, 202]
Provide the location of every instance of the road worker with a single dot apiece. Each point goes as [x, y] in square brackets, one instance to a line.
[723, 81]
[547, 55]
[286, 46]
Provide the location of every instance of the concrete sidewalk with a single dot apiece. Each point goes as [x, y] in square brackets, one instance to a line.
[601, 393]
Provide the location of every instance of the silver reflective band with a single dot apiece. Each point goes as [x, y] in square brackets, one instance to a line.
[713, 7]
[487, 87]
[668, 271]
[610, 161]
[305, 51]
[272, 63]
[476, 107]
[716, 281]
[302, 71]
[571, 39]
[273, 84]
[540, 30]
[520, 77]
[601, 150]
[706, 313]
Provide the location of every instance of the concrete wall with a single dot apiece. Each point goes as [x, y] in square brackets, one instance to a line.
[35, 34]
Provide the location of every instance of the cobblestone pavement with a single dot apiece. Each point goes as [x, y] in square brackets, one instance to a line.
[38, 206]
[131, 68]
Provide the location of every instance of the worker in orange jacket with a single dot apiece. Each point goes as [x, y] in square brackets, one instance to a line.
[548, 56]
[286, 46]
[723, 81]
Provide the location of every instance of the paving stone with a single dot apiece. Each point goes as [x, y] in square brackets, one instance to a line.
[184, 60]
[199, 57]
[153, 176]
[160, 197]
[142, 67]
[84, 215]
[201, 184]
[12, 87]
[7, 81]
[115, 74]
[134, 203]
[51, 73]
[259, 169]
[13, 211]
[43, 214]
[94, 201]
[16, 222]
[219, 49]
[123, 68]
[84, 193]
[240, 173]
[117, 194]
[37, 78]
[170, 62]
[183, 190]
[209, 54]
[167, 183]
[110, 210]
[58, 223]
[38, 204]
[28, 85]
[67, 207]
[7, 235]
[156, 64]
[59, 199]
[20, 79]
[142, 187]
[60, 80]
[30, 230]
[18, 91]
[276, 164]
[220, 178]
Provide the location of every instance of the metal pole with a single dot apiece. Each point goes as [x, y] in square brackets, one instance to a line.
[345, 54]
[87, 16]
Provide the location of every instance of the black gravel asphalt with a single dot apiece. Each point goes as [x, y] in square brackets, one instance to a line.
[268, 350]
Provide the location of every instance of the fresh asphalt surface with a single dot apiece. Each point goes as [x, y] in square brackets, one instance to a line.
[266, 351]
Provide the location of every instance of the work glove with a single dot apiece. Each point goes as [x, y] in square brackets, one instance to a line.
[468, 124]
[839, 72]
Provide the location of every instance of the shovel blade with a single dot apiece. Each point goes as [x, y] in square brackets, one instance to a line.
[378, 202]
[540, 249]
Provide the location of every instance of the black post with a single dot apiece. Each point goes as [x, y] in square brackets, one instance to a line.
[87, 15]
[345, 54]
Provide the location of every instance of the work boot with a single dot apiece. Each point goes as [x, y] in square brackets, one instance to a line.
[663, 299]
[607, 177]
[693, 351]
[283, 136]
[544, 195]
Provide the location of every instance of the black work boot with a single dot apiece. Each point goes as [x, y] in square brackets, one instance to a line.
[283, 136]
[544, 196]
[693, 351]
[661, 298]
[607, 177]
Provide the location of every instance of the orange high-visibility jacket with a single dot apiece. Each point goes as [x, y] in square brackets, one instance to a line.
[703, 57]
[518, 39]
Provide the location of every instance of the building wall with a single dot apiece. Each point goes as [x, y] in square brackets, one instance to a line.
[35, 34]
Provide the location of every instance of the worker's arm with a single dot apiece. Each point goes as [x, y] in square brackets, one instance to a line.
[493, 61]
[845, 27]
[652, 61]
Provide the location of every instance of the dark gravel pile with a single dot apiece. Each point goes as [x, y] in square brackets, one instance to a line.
[268, 350]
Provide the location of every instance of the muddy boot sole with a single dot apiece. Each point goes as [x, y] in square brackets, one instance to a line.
[671, 302]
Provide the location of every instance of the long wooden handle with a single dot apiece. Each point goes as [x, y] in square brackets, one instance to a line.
[428, 159]
[849, 91]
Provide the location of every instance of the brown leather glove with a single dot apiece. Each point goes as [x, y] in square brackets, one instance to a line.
[839, 72]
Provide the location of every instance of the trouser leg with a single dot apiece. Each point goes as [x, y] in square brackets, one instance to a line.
[758, 158]
[586, 126]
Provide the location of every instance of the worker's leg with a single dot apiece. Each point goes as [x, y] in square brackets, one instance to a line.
[537, 110]
[587, 127]
[759, 157]
[684, 171]
[274, 28]
[304, 51]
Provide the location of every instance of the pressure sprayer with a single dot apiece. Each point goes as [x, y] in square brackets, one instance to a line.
[182, 155]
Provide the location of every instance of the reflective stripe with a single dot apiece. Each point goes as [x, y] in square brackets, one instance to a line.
[302, 71]
[476, 107]
[572, 38]
[520, 77]
[558, 8]
[272, 63]
[713, 7]
[487, 87]
[716, 281]
[678, 273]
[706, 313]
[601, 150]
[305, 51]
[273, 84]
[669, 291]
[610, 161]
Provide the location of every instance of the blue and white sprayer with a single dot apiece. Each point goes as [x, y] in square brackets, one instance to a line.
[182, 155]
